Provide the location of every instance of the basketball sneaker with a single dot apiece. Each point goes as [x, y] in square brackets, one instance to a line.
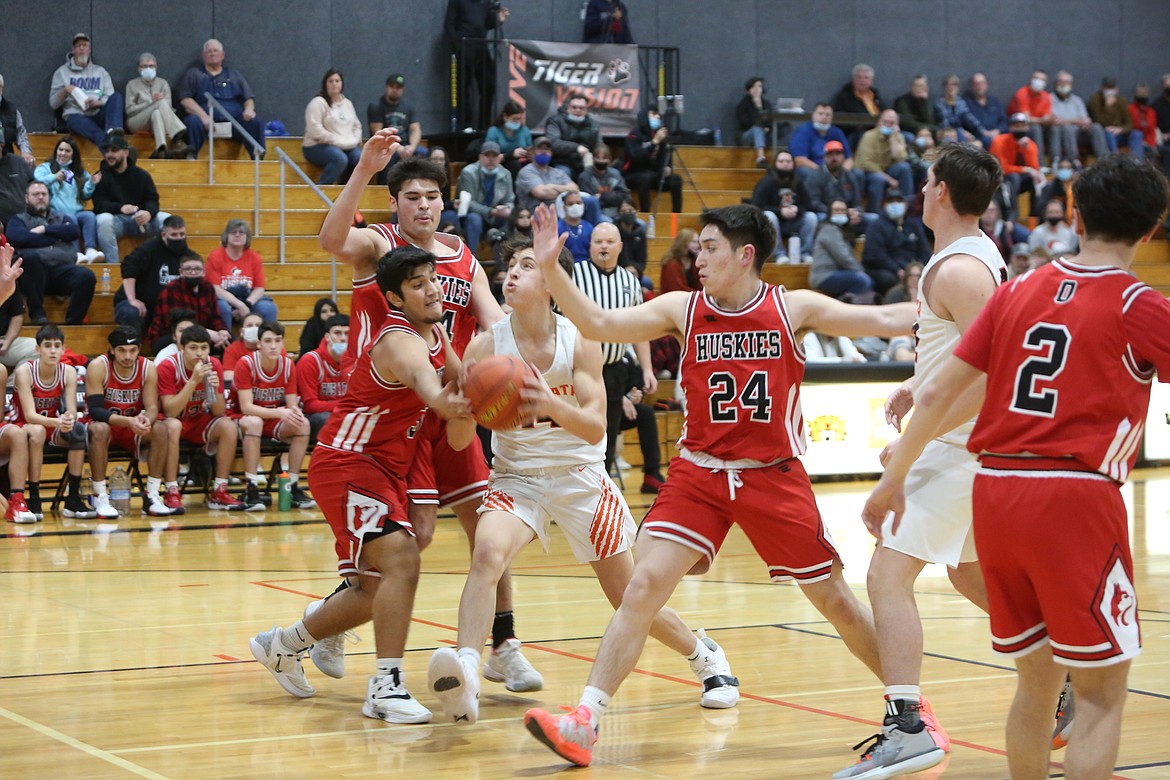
[454, 679]
[301, 499]
[250, 498]
[1065, 712]
[34, 506]
[508, 665]
[387, 699]
[720, 687]
[102, 506]
[569, 736]
[174, 501]
[18, 511]
[328, 654]
[937, 732]
[220, 498]
[894, 753]
[76, 506]
[153, 505]
[269, 649]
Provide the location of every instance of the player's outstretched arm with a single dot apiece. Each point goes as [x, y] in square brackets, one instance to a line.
[461, 426]
[662, 316]
[338, 237]
[823, 314]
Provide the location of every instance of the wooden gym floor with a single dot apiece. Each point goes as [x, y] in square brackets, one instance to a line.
[125, 654]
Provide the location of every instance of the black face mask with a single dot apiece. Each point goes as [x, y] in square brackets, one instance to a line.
[600, 167]
[627, 218]
[177, 246]
[1018, 134]
[1141, 100]
[1054, 221]
[193, 282]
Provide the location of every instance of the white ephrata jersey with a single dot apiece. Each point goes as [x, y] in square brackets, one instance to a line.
[543, 445]
[937, 338]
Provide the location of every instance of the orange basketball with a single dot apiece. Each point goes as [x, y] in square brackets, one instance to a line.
[493, 388]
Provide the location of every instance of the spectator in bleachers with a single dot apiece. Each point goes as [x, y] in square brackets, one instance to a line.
[125, 199]
[391, 110]
[492, 197]
[1144, 118]
[148, 103]
[1034, 102]
[1018, 262]
[247, 343]
[233, 92]
[604, 181]
[70, 186]
[954, 112]
[333, 132]
[190, 389]
[648, 161]
[1054, 232]
[677, 268]
[881, 159]
[834, 181]
[14, 136]
[85, 94]
[859, 96]
[633, 236]
[1161, 106]
[319, 378]
[987, 108]
[1108, 110]
[46, 243]
[574, 135]
[915, 108]
[809, 141]
[449, 216]
[314, 330]
[1071, 125]
[917, 154]
[835, 270]
[782, 197]
[193, 292]
[539, 182]
[150, 267]
[579, 231]
[1060, 186]
[1019, 156]
[265, 386]
[466, 26]
[1040, 256]
[822, 348]
[512, 136]
[179, 321]
[15, 174]
[906, 290]
[237, 271]
[607, 21]
[1005, 233]
[749, 115]
[892, 242]
[14, 348]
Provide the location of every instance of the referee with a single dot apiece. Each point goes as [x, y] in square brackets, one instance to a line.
[611, 287]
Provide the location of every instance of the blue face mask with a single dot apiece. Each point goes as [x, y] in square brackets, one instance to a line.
[895, 210]
[821, 127]
[513, 126]
[839, 219]
[920, 143]
[655, 123]
[886, 130]
[542, 158]
[1064, 174]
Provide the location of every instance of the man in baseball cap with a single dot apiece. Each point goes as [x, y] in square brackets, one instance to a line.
[391, 110]
[85, 94]
[486, 188]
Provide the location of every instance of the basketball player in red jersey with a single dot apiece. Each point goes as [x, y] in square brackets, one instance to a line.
[358, 473]
[416, 188]
[1069, 351]
[741, 372]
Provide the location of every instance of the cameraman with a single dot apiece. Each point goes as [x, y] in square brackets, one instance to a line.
[648, 161]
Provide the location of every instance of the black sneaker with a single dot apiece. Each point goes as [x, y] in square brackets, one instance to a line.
[250, 498]
[301, 499]
[34, 505]
[76, 506]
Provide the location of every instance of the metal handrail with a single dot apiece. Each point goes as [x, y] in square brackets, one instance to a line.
[212, 105]
[286, 160]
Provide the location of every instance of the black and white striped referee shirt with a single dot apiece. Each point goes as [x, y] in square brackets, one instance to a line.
[616, 289]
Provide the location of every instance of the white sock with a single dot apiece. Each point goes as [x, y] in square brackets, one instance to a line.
[292, 479]
[700, 650]
[99, 487]
[904, 692]
[174, 485]
[470, 653]
[296, 637]
[251, 478]
[596, 701]
[152, 485]
[220, 482]
[388, 666]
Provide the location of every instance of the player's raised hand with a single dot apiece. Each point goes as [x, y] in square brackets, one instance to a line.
[10, 271]
[887, 497]
[898, 404]
[546, 244]
[383, 145]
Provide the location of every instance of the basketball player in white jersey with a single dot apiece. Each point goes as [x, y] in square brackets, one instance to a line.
[936, 528]
[552, 470]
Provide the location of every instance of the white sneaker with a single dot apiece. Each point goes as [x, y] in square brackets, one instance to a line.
[268, 648]
[720, 687]
[153, 505]
[328, 654]
[95, 255]
[81, 258]
[101, 505]
[387, 699]
[454, 679]
[508, 665]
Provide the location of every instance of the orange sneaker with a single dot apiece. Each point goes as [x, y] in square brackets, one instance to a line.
[937, 732]
[569, 736]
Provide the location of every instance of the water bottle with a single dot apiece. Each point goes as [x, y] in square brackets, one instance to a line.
[208, 392]
[285, 501]
[794, 249]
[718, 136]
[106, 279]
[650, 227]
[120, 490]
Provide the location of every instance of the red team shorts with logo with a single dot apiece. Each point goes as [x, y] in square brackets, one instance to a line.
[1053, 543]
[773, 505]
[197, 430]
[126, 439]
[360, 500]
[443, 475]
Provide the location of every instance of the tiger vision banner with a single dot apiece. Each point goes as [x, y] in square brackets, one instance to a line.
[543, 75]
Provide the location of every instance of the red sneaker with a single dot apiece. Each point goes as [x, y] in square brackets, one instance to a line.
[174, 501]
[18, 511]
[220, 498]
[937, 732]
[652, 483]
[569, 736]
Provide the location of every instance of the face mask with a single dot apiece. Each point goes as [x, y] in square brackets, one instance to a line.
[821, 127]
[1018, 134]
[895, 210]
[839, 219]
[576, 211]
[574, 118]
[338, 347]
[627, 218]
[1142, 100]
[1166, 91]
[251, 333]
[148, 74]
[1038, 85]
[1064, 174]
[1110, 93]
[176, 246]
[542, 158]
[600, 167]
[1054, 221]
[513, 126]
[655, 123]
[886, 130]
[920, 143]
[193, 281]
[1064, 91]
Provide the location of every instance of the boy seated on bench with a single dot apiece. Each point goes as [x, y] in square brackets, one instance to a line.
[45, 408]
[14, 453]
[121, 389]
[265, 387]
[190, 388]
[319, 376]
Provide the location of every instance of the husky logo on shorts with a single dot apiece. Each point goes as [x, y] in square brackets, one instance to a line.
[1117, 604]
[1121, 606]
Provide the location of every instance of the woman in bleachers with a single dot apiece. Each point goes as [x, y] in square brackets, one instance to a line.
[514, 138]
[333, 132]
[678, 264]
[314, 329]
[835, 270]
[237, 271]
[70, 186]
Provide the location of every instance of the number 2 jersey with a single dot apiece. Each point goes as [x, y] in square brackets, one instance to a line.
[1069, 351]
[741, 373]
[455, 268]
